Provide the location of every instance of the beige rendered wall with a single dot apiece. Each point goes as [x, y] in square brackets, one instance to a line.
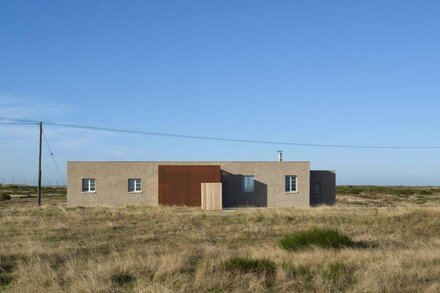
[112, 183]
[269, 184]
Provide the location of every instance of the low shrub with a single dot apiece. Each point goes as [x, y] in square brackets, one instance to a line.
[261, 267]
[320, 237]
[5, 197]
[426, 192]
[122, 278]
[8, 264]
[5, 279]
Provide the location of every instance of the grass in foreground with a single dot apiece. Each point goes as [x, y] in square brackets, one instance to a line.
[315, 237]
[54, 249]
[338, 275]
[123, 279]
[263, 268]
[184, 249]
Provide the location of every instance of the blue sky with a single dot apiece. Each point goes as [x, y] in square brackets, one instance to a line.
[334, 72]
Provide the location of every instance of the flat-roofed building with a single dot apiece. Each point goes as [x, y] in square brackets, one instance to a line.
[253, 184]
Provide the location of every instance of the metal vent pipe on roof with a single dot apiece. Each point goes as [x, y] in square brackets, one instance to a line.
[280, 156]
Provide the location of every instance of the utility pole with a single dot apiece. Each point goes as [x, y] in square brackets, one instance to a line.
[39, 166]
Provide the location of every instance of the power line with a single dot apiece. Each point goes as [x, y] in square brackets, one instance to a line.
[224, 139]
[24, 121]
[53, 158]
[15, 123]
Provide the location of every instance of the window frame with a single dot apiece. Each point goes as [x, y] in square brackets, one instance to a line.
[290, 184]
[89, 185]
[136, 180]
[317, 187]
[243, 189]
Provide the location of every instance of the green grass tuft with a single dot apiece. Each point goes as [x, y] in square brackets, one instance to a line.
[261, 267]
[301, 271]
[320, 237]
[339, 274]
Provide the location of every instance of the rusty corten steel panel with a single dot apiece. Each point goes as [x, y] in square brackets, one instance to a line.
[181, 184]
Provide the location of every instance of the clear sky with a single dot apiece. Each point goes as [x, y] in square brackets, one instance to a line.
[335, 72]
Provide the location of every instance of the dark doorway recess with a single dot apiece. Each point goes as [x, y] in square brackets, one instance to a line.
[181, 184]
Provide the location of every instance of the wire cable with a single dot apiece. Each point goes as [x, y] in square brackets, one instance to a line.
[15, 123]
[224, 139]
[53, 158]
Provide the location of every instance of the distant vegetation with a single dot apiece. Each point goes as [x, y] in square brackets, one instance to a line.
[386, 195]
[25, 194]
[406, 191]
[346, 195]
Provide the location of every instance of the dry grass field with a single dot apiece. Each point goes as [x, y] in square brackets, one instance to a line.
[395, 232]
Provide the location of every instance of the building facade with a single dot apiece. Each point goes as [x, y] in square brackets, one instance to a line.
[256, 184]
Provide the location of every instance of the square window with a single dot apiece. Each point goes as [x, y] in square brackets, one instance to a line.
[134, 185]
[290, 183]
[89, 185]
[248, 183]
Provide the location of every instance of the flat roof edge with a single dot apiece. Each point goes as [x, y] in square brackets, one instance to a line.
[188, 162]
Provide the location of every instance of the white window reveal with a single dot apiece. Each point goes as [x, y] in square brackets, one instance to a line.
[89, 185]
[291, 183]
[135, 185]
[248, 184]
